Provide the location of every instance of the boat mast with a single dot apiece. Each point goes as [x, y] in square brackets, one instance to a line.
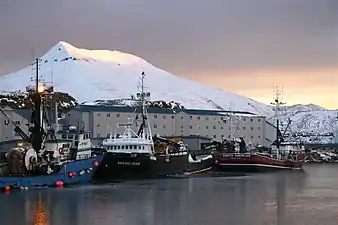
[278, 103]
[141, 97]
[37, 131]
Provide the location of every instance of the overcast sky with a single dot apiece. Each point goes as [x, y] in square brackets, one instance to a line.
[199, 39]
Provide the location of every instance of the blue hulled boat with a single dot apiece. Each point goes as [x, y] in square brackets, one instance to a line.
[48, 157]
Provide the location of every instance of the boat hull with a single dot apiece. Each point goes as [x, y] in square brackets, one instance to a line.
[202, 164]
[124, 166]
[62, 175]
[247, 162]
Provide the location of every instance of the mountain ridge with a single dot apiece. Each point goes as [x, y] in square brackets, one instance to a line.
[117, 76]
[107, 75]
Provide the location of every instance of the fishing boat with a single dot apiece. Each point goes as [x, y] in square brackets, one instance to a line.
[234, 156]
[47, 158]
[139, 154]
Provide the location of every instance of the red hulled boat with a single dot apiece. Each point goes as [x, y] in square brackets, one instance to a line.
[233, 155]
[256, 162]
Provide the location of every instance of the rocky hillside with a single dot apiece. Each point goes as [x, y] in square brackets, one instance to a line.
[123, 102]
[22, 100]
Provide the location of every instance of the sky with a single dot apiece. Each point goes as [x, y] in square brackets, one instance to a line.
[243, 46]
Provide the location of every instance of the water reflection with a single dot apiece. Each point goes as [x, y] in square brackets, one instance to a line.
[40, 214]
[257, 199]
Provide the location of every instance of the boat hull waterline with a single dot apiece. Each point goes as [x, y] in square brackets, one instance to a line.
[125, 166]
[247, 162]
[82, 172]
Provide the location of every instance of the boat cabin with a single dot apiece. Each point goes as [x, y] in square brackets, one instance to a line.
[72, 142]
[131, 144]
[286, 147]
[128, 142]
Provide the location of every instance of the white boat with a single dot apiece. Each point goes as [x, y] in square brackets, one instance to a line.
[137, 154]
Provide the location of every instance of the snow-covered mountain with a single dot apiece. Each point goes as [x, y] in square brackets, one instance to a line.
[111, 76]
[89, 75]
[310, 123]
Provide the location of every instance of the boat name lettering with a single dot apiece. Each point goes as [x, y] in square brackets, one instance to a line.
[236, 155]
[129, 163]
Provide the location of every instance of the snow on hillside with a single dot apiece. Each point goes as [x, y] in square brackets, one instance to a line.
[89, 75]
[310, 123]
[315, 122]
[101, 76]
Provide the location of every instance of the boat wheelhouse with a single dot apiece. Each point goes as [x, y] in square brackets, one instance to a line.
[71, 143]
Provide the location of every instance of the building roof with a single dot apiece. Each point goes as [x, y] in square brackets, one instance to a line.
[91, 108]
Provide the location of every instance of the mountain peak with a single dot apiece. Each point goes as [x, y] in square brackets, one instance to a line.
[63, 50]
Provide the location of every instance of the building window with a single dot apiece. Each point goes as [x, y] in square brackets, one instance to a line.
[17, 134]
[98, 135]
[191, 117]
[108, 114]
[251, 128]
[222, 136]
[251, 137]
[17, 122]
[214, 127]
[182, 127]
[172, 117]
[155, 125]
[190, 126]
[251, 120]
[229, 136]
[98, 114]
[98, 125]
[214, 136]
[164, 116]
[259, 128]
[206, 118]
[198, 117]
[259, 137]
[259, 120]
[117, 115]
[182, 117]
[206, 127]
[244, 128]
[244, 119]
[155, 116]
[224, 121]
[199, 127]
[164, 126]
[221, 128]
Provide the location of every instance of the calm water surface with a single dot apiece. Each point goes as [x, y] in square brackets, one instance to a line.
[279, 198]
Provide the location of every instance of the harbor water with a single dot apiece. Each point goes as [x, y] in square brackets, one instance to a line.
[297, 198]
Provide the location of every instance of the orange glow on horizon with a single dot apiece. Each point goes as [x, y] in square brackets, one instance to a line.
[317, 86]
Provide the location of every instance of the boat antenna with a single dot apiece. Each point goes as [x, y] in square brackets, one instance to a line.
[278, 103]
[141, 97]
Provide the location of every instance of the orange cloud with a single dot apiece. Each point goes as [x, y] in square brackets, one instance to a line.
[317, 86]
